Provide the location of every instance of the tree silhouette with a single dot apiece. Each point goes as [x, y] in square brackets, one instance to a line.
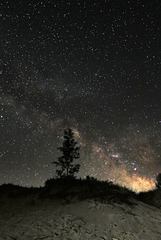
[158, 178]
[69, 153]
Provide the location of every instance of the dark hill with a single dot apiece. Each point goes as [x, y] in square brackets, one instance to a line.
[72, 190]
[151, 197]
[15, 191]
[79, 189]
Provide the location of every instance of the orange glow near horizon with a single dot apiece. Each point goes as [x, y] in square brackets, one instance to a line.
[138, 184]
[142, 184]
[118, 171]
[132, 181]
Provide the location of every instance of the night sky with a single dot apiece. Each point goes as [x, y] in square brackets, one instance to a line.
[93, 66]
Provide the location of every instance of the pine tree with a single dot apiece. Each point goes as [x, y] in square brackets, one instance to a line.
[69, 153]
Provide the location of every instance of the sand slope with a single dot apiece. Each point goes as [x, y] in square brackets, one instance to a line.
[89, 219]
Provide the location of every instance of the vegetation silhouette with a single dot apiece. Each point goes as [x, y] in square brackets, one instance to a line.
[69, 153]
[69, 189]
[158, 178]
[152, 197]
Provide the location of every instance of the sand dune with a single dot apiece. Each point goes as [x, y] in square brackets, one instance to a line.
[88, 219]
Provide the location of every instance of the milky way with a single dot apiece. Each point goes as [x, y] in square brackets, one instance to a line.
[92, 66]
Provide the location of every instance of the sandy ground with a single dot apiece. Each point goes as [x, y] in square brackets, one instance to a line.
[90, 219]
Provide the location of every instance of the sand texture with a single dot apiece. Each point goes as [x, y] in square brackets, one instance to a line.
[89, 219]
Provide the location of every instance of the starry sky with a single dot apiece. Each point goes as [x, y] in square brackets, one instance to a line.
[93, 66]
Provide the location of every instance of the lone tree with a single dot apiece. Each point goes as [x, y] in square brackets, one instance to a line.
[158, 178]
[69, 153]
